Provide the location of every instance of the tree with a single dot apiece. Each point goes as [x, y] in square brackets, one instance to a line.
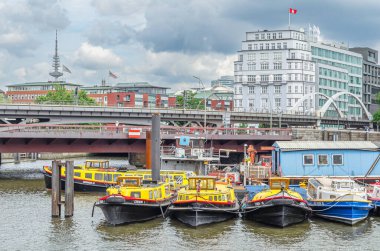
[190, 101]
[376, 115]
[4, 98]
[62, 96]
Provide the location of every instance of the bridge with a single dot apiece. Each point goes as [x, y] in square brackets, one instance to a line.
[58, 114]
[115, 139]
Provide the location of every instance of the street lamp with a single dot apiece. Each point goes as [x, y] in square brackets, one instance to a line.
[204, 96]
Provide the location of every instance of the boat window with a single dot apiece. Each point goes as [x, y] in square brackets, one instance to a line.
[210, 184]
[77, 174]
[323, 159]
[167, 190]
[346, 185]
[209, 197]
[150, 195]
[216, 198]
[115, 177]
[98, 176]
[223, 197]
[178, 179]
[155, 194]
[219, 198]
[308, 159]
[159, 193]
[337, 159]
[108, 177]
[88, 176]
[320, 195]
[136, 194]
[332, 196]
[187, 197]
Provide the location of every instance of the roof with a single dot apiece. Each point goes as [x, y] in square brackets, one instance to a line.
[139, 85]
[44, 83]
[300, 145]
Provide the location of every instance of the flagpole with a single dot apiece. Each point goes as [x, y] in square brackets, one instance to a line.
[289, 21]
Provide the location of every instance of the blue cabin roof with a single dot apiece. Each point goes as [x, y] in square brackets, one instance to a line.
[314, 145]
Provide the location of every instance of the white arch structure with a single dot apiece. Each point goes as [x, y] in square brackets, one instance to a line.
[335, 96]
[299, 102]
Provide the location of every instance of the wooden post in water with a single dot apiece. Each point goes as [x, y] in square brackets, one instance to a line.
[69, 189]
[56, 189]
[156, 151]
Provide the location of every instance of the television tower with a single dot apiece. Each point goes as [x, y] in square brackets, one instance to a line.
[56, 65]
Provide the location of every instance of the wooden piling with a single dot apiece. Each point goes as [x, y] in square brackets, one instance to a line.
[56, 189]
[69, 189]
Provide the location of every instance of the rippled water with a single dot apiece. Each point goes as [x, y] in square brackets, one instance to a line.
[26, 224]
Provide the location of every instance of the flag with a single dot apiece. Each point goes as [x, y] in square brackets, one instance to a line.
[292, 11]
[64, 68]
[112, 75]
[134, 133]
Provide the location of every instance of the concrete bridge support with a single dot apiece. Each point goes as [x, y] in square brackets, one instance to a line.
[17, 157]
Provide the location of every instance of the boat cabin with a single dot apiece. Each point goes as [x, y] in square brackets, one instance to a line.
[202, 183]
[279, 183]
[129, 181]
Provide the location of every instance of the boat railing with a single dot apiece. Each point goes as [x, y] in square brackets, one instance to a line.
[259, 172]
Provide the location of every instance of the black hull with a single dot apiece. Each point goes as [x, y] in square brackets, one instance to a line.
[197, 216]
[79, 185]
[124, 213]
[277, 215]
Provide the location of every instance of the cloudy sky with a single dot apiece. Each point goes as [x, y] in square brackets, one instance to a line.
[164, 42]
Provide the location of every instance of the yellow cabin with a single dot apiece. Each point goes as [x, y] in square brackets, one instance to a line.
[135, 187]
[276, 186]
[206, 189]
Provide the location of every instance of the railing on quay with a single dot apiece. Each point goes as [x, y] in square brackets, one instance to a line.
[124, 129]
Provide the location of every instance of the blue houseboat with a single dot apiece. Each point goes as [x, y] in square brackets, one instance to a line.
[300, 159]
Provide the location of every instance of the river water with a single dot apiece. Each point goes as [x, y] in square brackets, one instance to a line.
[26, 224]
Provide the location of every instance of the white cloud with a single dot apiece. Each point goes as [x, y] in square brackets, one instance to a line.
[96, 57]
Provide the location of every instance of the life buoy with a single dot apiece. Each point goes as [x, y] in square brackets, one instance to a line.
[231, 177]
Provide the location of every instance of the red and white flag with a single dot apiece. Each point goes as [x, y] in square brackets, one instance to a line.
[292, 11]
[112, 75]
[134, 133]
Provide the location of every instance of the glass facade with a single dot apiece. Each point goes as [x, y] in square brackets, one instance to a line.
[339, 72]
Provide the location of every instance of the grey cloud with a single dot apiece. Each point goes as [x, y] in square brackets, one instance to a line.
[110, 33]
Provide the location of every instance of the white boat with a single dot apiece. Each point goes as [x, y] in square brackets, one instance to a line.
[340, 200]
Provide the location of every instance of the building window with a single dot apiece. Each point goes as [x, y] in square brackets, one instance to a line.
[264, 66]
[308, 159]
[323, 159]
[267, 46]
[274, 35]
[240, 90]
[273, 46]
[277, 102]
[277, 56]
[337, 159]
[264, 56]
[296, 89]
[255, 46]
[262, 36]
[264, 78]
[251, 103]
[277, 88]
[264, 89]
[261, 47]
[280, 35]
[277, 66]
[289, 89]
[251, 66]
[257, 36]
[293, 55]
[264, 103]
[249, 46]
[251, 78]
[277, 77]
[284, 46]
[251, 89]
[289, 100]
[251, 56]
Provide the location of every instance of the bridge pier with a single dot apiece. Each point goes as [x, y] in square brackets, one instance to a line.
[16, 157]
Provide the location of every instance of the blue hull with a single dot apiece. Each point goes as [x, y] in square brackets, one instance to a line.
[376, 207]
[347, 212]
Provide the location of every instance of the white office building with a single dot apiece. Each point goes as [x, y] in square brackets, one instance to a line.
[274, 71]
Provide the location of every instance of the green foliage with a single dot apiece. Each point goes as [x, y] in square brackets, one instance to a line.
[376, 116]
[62, 96]
[4, 99]
[191, 101]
